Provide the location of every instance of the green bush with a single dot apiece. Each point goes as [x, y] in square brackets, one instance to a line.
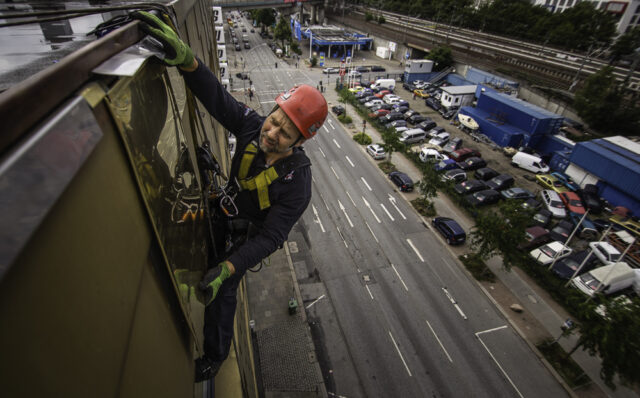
[314, 61]
[424, 206]
[477, 267]
[368, 16]
[566, 367]
[387, 167]
[345, 119]
[381, 20]
[362, 139]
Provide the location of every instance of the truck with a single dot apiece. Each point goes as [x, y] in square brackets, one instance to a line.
[384, 83]
[606, 280]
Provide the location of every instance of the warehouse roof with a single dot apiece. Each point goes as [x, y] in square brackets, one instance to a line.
[531, 109]
[457, 90]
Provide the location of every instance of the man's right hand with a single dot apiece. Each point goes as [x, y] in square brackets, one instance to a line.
[212, 280]
[177, 52]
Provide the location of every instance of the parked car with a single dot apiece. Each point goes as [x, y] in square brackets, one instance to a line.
[503, 181]
[247, 45]
[362, 69]
[242, 75]
[420, 93]
[534, 237]
[470, 186]
[550, 182]
[328, 71]
[373, 102]
[409, 86]
[549, 252]
[410, 113]
[485, 173]
[356, 89]
[517, 193]
[590, 198]
[377, 68]
[435, 131]
[400, 108]
[561, 231]
[380, 94]
[431, 155]
[449, 228]
[572, 202]
[440, 139]
[427, 124]
[464, 153]
[542, 217]
[401, 180]
[376, 151]
[433, 103]
[445, 165]
[415, 119]
[389, 117]
[369, 98]
[382, 106]
[378, 113]
[566, 268]
[455, 175]
[586, 228]
[553, 203]
[565, 180]
[453, 145]
[396, 123]
[605, 252]
[630, 223]
[354, 73]
[449, 114]
[472, 163]
[532, 204]
[338, 110]
[483, 198]
[237, 47]
[601, 224]
[364, 93]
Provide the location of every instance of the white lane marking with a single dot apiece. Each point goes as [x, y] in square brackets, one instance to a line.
[325, 128]
[334, 172]
[399, 277]
[393, 202]
[371, 295]
[267, 102]
[350, 162]
[315, 301]
[330, 124]
[342, 236]
[336, 142]
[365, 183]
[399, 353]
[415, 250]
[387, 211]
[495, 360]
[317, 217]
[370, 230]
[491, 330]
[372, 212]
[345, 213]
[323, 155]
[325, 202]
[454, 302]
[351, 199]
[439, 342]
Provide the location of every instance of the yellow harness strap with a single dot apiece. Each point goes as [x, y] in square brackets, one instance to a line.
[261, 181]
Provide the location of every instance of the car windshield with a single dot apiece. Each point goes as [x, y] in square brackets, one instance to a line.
[575, 203]
[556, 204]
[548, 251]
[590, 281]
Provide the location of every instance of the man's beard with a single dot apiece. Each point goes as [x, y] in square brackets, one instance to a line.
[269, 149]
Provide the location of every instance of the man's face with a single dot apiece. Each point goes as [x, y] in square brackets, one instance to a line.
[278, 133]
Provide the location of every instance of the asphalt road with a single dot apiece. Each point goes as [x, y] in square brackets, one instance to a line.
[395, 315]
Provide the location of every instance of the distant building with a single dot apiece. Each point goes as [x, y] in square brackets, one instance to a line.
[457, 96]
[626, 12]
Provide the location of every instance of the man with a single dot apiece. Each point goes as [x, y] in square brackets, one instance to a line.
[273, 174]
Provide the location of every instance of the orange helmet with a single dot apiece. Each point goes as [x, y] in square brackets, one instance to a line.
[306, 108]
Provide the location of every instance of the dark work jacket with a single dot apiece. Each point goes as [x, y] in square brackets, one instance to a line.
[289, 196]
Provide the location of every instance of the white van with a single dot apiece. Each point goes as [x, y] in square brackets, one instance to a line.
[412, 136]
[529, 162]
[613, 278]
[384, 83]
[431, 155]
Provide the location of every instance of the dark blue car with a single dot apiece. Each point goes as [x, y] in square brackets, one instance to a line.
[450, 230]
[445, 165]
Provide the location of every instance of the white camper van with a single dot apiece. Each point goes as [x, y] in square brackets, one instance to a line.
[529, 162]
[613, 278]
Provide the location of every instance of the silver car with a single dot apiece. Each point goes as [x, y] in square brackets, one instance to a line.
[553, 203]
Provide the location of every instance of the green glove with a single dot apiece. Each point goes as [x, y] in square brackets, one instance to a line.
[177, 52]
[212, 281]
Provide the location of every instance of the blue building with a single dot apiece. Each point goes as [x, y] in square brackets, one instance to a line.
[613, 165]
[509, 121]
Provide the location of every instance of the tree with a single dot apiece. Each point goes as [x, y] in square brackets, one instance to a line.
[264, 17]
[381, 20]
[625, 45]
[601, 103]
[295, 47]
[499, 231]
[368, 16]
[282, 31]
[442, 57]
[391, 142]
[613, 337]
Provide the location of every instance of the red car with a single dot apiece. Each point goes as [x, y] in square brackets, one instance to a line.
[378, 113]
[572, 202]
[463, 154]
[382, 93]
